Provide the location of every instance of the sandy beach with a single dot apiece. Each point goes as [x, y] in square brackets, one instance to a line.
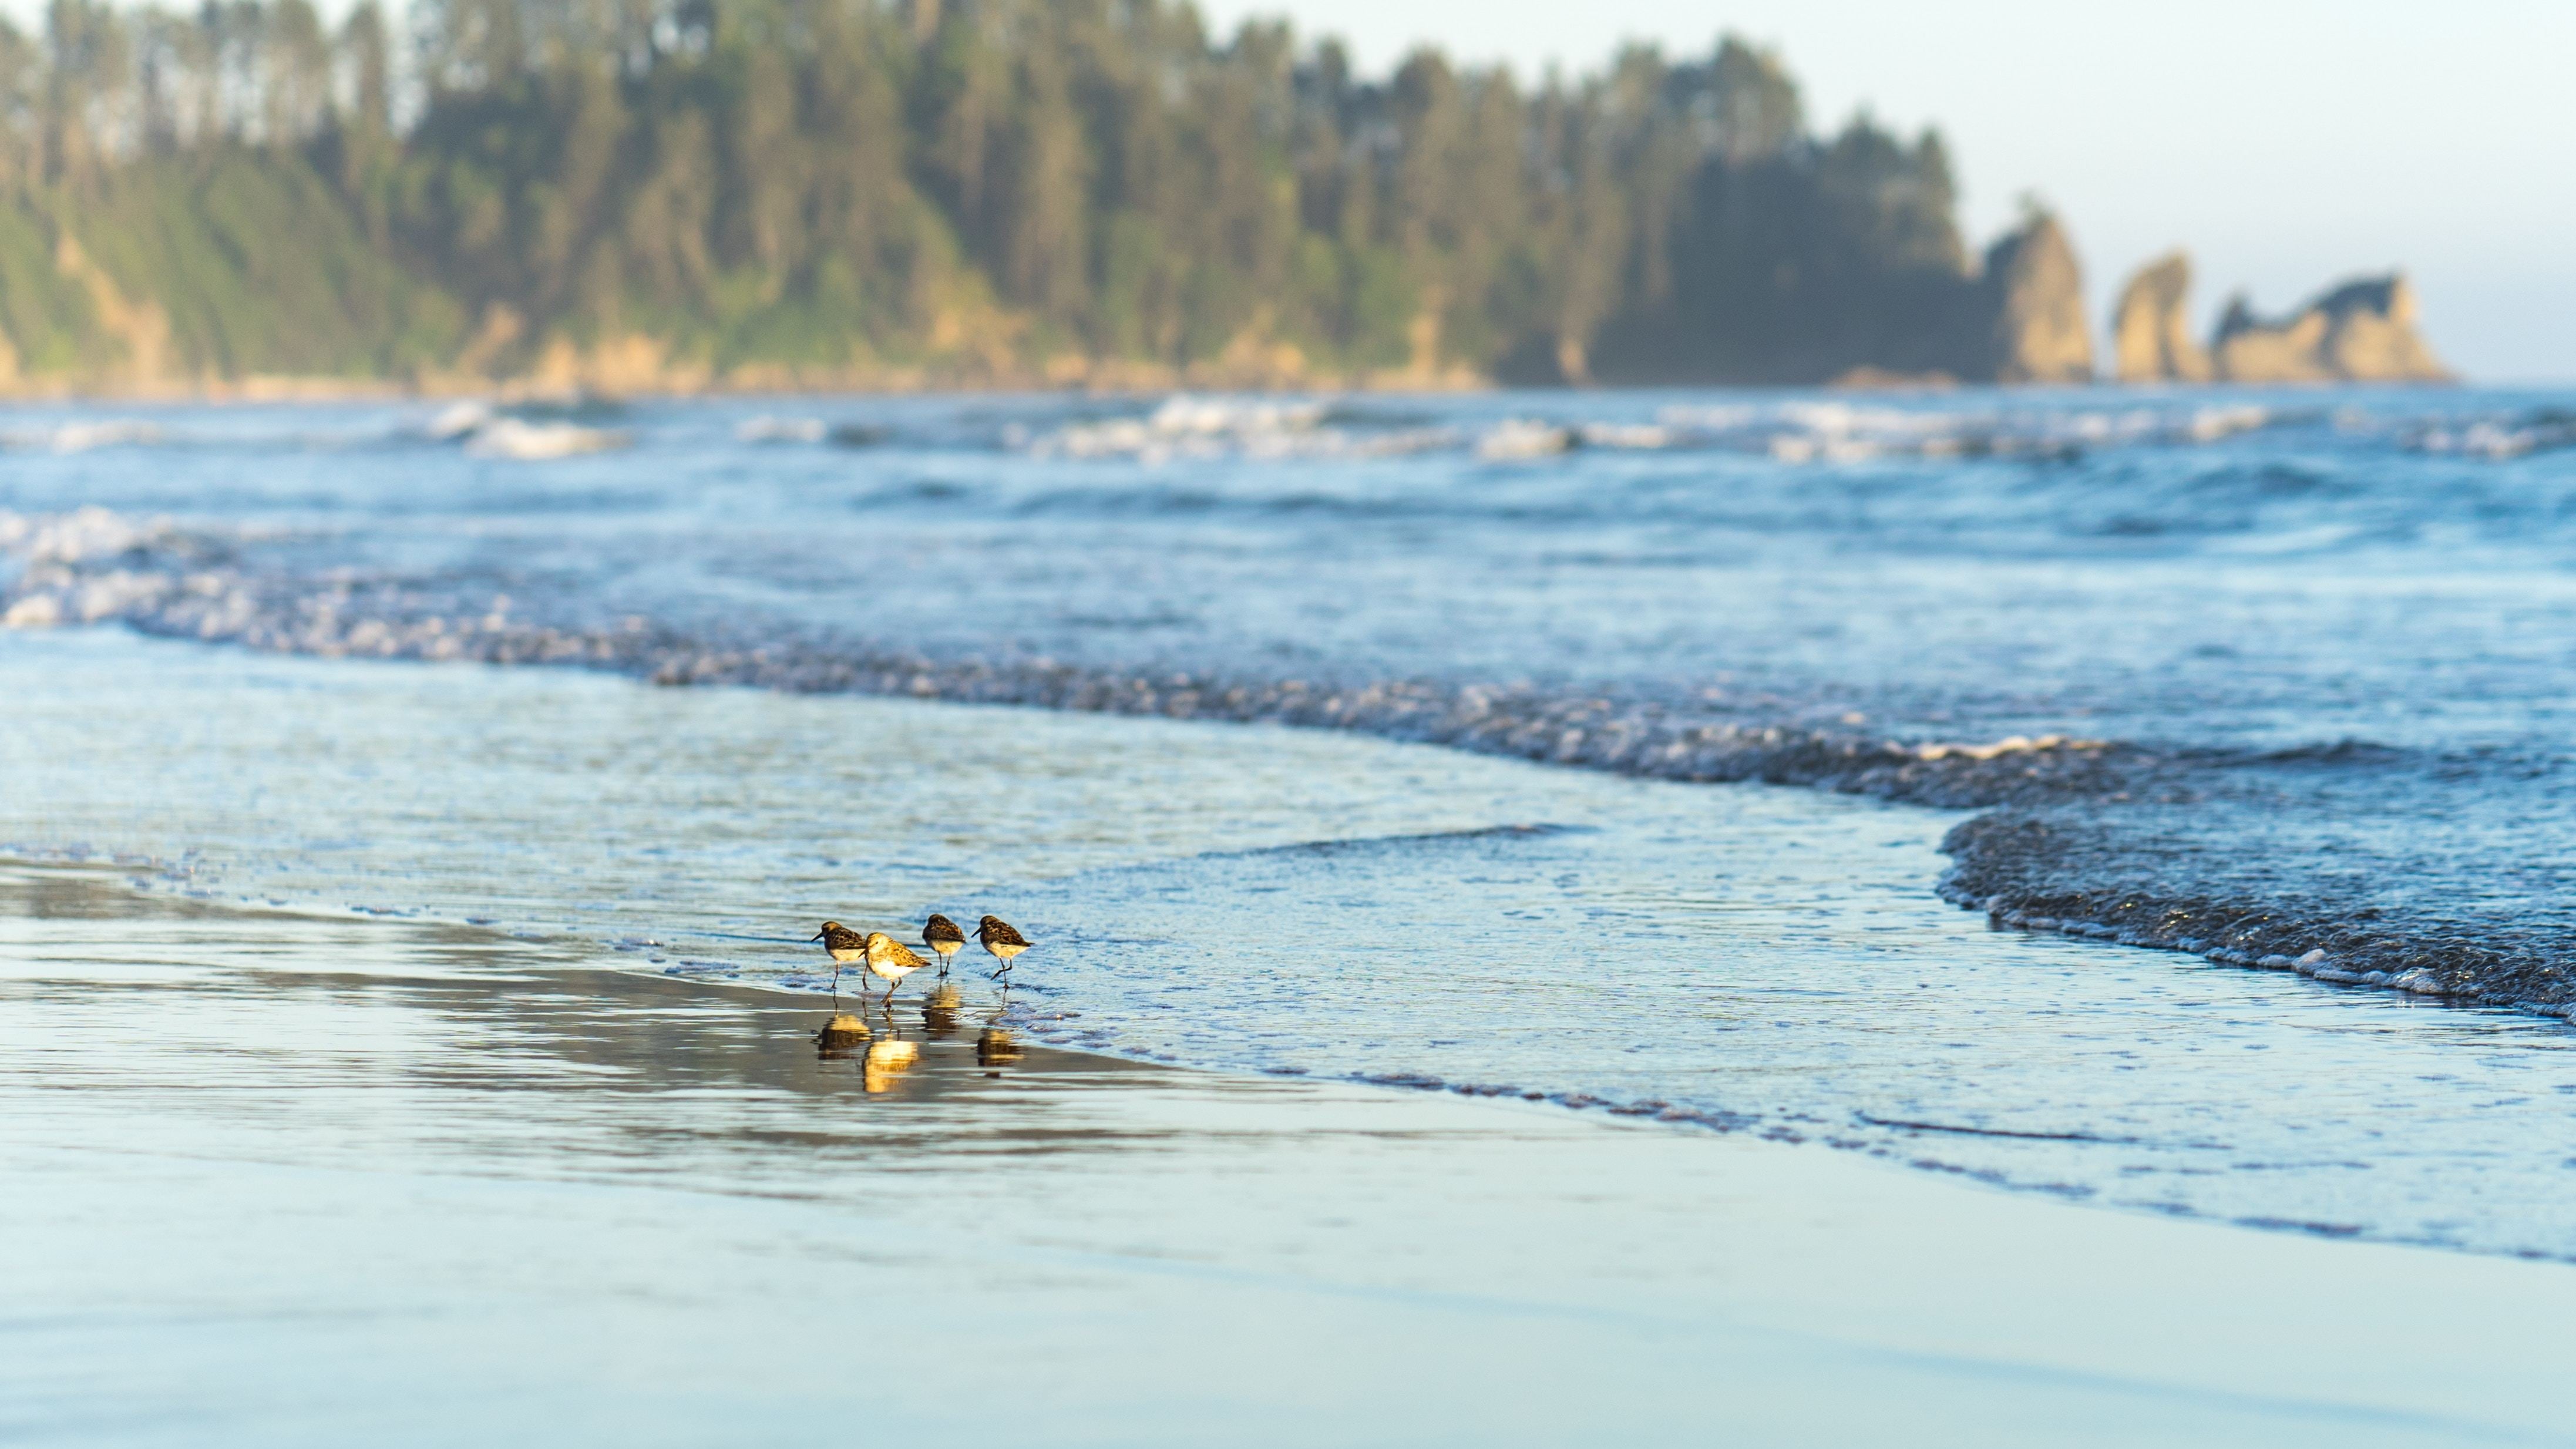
[287, 1179]
[1806, 728]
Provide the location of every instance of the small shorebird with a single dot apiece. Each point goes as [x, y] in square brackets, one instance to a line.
[893, 960]
[845, 945]
[944, 936]
[1001, 942]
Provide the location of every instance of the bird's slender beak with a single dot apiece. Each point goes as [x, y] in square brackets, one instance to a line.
[815, 937]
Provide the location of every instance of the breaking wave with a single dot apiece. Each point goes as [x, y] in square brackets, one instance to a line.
[1193, 428]
[1184, 428]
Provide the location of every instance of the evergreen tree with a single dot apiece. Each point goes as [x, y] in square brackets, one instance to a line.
[972, 188]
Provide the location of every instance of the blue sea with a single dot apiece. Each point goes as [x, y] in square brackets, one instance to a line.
[2161, 800]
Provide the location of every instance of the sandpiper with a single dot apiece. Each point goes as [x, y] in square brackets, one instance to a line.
[891, 959]
[944, 936]
[1002, 942]
[845, 945]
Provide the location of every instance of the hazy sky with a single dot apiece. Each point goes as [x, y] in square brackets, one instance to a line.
[2285, 142]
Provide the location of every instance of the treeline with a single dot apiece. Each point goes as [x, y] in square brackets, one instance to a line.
[849, 190]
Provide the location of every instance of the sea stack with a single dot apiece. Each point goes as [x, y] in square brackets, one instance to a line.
[2361, 331]
[2035, 288]
[2151, 328]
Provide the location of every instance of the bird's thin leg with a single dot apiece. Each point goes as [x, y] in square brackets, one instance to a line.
[836, 988]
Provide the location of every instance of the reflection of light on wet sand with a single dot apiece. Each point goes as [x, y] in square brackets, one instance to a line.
[886, 1061]
[840, 1037]
[997, 1048]
[939, 1012]
[635, 1256]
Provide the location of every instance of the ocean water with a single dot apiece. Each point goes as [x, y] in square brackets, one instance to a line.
[2271, 678]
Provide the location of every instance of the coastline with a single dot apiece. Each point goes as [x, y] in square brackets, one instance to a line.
[563, 388]
[557, 386]
[1113, 382]
[284, 1179]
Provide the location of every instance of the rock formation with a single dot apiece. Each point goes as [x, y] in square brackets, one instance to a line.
[2362, 331]
[2151, 330]
[2034, 292]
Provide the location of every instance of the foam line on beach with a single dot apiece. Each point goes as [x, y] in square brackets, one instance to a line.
[92, 566]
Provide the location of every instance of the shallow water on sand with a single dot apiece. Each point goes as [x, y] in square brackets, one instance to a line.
[278, 1179]
[1745, 958]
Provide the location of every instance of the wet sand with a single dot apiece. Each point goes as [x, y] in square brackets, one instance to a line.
[281, 1179]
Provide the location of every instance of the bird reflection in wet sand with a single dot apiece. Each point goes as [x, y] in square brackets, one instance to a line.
[892, 960]
[939, 1013]
[1002, 942]
[887, 1060]
[944, 937]
[845, 945]
[841, 1037]
[997, 1048]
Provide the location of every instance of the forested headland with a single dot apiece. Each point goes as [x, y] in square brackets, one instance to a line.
[633, 194]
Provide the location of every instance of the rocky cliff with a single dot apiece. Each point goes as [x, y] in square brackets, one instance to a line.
[2033, 292]
[2361, 331]
[2151, 327]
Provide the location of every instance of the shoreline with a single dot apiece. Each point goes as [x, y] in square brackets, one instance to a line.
[648, 1207]
[515, 391]
[510, 391]
[1904, 1010]
[1985, 780]
[1043, 1035]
